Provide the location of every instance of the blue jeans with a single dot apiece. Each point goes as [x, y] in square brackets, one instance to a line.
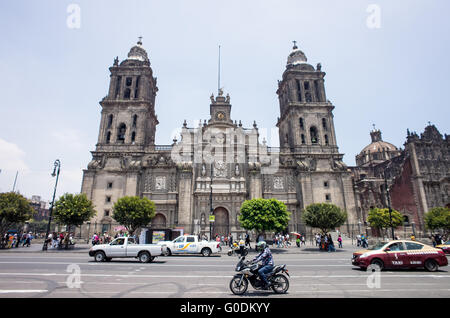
[263, 271]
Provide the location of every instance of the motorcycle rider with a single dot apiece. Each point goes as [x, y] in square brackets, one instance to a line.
[267, 262]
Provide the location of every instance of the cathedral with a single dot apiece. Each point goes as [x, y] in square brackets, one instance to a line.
[200, 181]
[218, 165]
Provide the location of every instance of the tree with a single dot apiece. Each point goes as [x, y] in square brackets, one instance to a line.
[264, 215]
[324, 216]
[438, 219]
[379, 218]
[73, 209]
[133, 212]
[14, 209]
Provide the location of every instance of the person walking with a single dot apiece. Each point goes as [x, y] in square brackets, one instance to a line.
[303, 240]
[247, 241]
[330, 244]
[340, 241]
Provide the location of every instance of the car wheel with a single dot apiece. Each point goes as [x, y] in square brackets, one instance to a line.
[100, 256]
[206, 252]
[431, 265]
[377, 262]
[168, 252]
[144, 257]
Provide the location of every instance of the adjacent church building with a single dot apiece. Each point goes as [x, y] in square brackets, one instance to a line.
[219, 164]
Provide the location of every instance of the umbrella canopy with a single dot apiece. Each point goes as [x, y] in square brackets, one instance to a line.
[120, 228]
[295, 233]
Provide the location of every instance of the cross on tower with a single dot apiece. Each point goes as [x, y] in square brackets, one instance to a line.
[373, 126]
[140, 40]
[295, 44]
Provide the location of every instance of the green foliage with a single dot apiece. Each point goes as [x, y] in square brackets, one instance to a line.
[133, 212]
[379, 218]
[264, 215]
[324, 216]
[438, 218]
[14, 209]
[73, 209]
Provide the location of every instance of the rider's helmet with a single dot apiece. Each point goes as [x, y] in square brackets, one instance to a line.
[261, 245]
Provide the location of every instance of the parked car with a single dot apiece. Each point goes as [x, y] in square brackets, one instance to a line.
[401, 254]
[190, 244]
[126, 247]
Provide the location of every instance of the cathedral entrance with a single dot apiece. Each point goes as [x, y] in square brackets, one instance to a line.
[221, 226]
[159, 221]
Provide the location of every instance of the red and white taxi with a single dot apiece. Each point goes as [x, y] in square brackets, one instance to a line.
[401, 254]
[445, 247]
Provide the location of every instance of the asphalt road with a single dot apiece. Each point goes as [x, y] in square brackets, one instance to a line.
[313, 274]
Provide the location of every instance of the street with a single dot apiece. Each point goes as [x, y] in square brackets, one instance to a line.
[69, 274]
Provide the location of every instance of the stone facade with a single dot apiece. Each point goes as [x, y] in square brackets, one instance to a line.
[417, 176]
[218, 165]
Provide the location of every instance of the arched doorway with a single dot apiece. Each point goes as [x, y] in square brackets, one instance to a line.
[221, 223]
[159, 221]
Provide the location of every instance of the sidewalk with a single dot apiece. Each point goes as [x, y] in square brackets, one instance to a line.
[37, 247]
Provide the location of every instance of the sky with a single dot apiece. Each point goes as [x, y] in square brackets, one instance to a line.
[386, 64]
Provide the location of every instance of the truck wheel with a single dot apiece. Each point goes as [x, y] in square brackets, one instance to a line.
[206, 252]
[144, 257]
[431, 265]
[100, 256]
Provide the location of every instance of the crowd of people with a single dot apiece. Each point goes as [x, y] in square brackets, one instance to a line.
[438, 239]
[60, 240]
[10, 240]
[361, 240]
[325, 242]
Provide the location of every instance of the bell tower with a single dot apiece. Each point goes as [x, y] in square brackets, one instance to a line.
[306, 119]
[128, 111]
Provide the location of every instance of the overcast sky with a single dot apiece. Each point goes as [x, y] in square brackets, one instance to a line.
[386, 63]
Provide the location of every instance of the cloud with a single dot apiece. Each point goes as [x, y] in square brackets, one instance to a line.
[12, 157]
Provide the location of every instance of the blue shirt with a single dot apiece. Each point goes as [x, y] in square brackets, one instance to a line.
[266, 257]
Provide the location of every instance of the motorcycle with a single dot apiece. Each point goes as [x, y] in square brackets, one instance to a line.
[248, 272]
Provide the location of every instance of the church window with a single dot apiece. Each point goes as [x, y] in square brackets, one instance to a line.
[324, 124]
[302, 124]
[135, 117]
[326, 184]
[108, 199]
[326, 140]
[133, 136]
[306, 84]
[328, 197]
[299, 91]
[119, 80]
[109, 185]
[303, 139]
[121, 133]
[108, 137]
[314, 135]
[129, 81]
[127, 93]
[308, 97]
[136, 90]
[106, 213]
[110, 120]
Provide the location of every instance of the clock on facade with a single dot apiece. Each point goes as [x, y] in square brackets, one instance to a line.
[220, 116]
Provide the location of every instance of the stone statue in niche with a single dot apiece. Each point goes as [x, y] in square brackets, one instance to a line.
[278, 183]
[236, 170]
[203, 170]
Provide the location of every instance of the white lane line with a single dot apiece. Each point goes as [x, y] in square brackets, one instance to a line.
[368, 290]
[16, 291]
[158, 265]
[217, 276]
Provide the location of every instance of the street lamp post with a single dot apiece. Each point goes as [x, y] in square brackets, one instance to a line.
[388, 197]
[89, 231]
[210, 204]
[56, 169]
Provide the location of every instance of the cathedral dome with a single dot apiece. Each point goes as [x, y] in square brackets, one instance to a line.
[137, 52]
[296, 56]
[377, 151]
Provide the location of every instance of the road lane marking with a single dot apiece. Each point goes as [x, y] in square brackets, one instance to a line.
[16, 291]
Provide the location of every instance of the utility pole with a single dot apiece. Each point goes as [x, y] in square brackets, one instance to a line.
[388, 197]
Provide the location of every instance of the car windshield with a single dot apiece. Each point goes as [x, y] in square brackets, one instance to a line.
[377, 246]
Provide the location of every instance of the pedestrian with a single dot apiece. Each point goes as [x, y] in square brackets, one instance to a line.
[247, 241]
[303, 239]
[230, 240]
[340, 241]
[330, 244]
[297, 241]
[287, 240]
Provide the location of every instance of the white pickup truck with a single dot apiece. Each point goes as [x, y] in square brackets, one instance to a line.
[190, 244]
[126, 247]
